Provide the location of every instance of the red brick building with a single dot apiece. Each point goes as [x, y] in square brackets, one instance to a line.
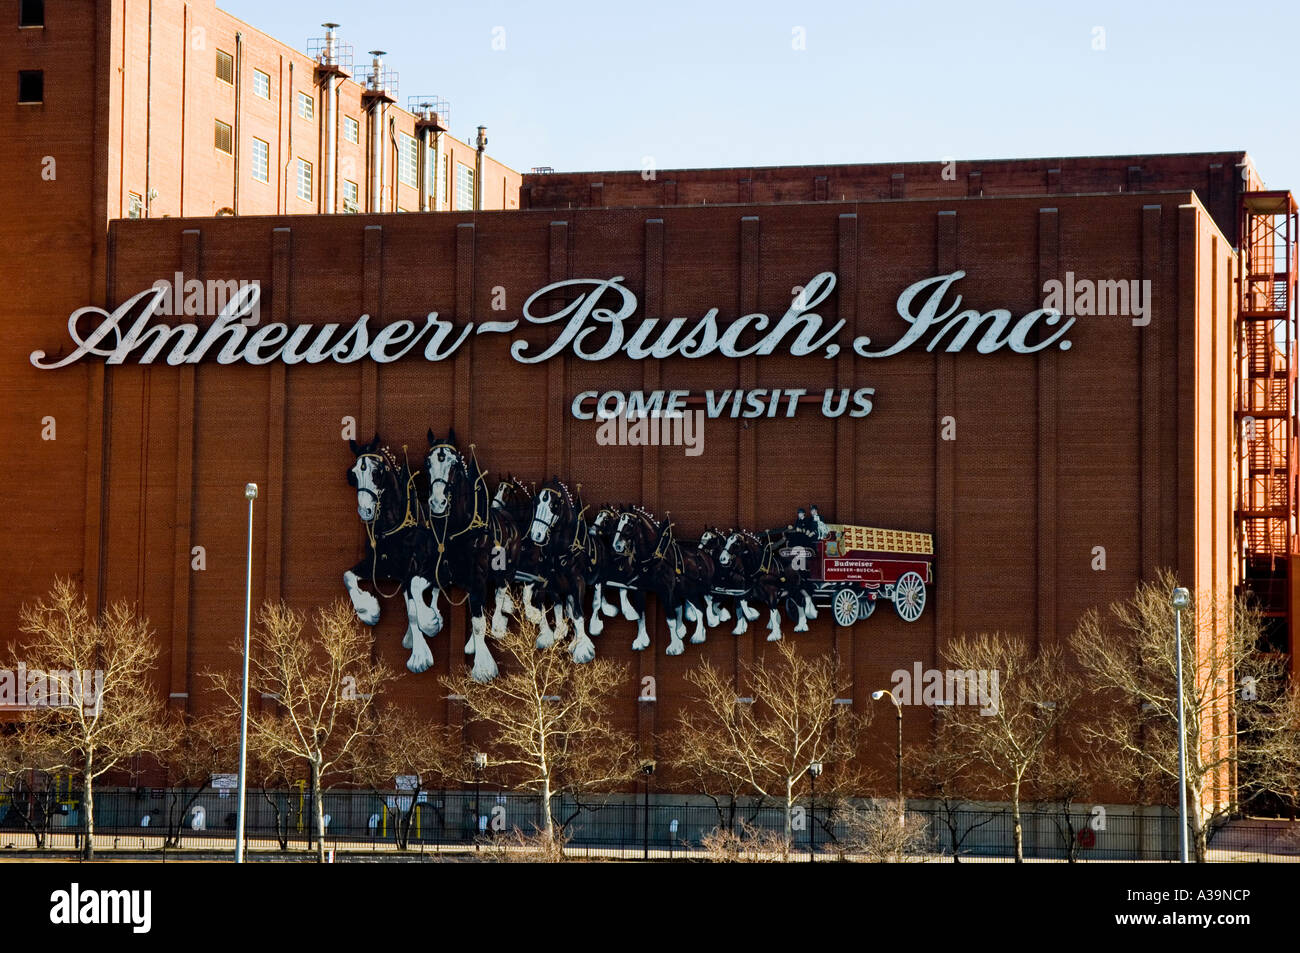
[1053, 477]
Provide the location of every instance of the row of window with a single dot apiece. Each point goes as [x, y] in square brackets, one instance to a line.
[408, 164]
[262, 88]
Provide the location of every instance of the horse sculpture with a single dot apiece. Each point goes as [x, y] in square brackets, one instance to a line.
[680, 577]
[443, 528]
[764, 577]
[567, 560]
[469, 546]
[613, 571]
[389, 507]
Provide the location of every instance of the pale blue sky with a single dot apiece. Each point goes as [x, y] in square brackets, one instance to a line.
[585, 85]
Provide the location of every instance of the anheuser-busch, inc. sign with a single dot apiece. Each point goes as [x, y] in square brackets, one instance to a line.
[596, 324]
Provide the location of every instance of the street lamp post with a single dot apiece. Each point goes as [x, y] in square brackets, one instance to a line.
[480, 762]
[648, 769]
[1181, 599]
[250, 494]
[814, 770]
[898, 708]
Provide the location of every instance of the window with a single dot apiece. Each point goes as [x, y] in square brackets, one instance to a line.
[31, 86]
[304, 179]
[430, 174]
[223, 138]
[408, 160]
[351, 202]
[134, 205]
[225, 67]
[464, 187]
[31, 13]
[446, 184]
[261, 159]
[306, 106]
[261, 84]
[351, 129]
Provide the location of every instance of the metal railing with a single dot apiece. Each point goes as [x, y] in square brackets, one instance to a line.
[283, 823]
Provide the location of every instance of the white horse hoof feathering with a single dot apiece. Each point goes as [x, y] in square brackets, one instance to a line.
[774, 625]
[582, 649]
[421, 659]
[484, 668]
[531, 612]
[428, 618]
[642, 636]
[629, 612]
[809, 609]
[365, 605]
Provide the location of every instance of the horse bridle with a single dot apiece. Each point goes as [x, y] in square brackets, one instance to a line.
[457, 459]
[546, 525]
[377, 493]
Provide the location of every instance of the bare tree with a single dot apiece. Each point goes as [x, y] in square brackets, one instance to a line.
[28, 763]
[786, 720]
[704, 761]
[405, 745]
[1062, 778]
[324, 687]
[97, 705]
[885, 832]
[549, 722]
[1271, 761]
[202, 746]
[746, 844]
[940, 772]
[1128, 653]
[1007, 740]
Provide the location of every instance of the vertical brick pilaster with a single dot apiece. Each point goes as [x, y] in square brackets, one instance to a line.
[192, 267]
[1049, 248]
[945, 457]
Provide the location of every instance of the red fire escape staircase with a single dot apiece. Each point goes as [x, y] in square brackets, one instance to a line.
[1268, 494]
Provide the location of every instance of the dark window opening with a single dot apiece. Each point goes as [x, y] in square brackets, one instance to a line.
[31, 86]
[31, 13]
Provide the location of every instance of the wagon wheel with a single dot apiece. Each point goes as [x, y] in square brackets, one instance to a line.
[909, 596]
[866, 606]
[845, 606]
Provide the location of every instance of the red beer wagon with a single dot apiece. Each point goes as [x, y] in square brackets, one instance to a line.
[853, 567]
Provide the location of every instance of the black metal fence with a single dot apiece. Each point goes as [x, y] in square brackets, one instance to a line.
[458, 821]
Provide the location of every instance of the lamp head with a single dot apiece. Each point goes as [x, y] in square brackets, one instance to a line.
[1181, 598]
[250, 491]
[876, 696]
[815, 769]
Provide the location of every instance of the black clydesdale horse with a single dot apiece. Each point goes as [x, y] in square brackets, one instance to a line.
[389, 506]
[470, 546]
[680, 576]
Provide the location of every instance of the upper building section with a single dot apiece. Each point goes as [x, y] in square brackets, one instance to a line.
[207, 115]
[1218, 178]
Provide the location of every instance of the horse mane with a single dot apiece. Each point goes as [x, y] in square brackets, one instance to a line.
[644, 513]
